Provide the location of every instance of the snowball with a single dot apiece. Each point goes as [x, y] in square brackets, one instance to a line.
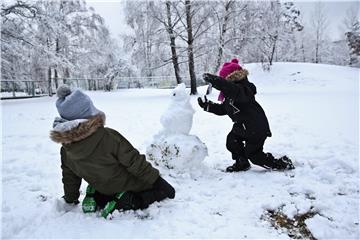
[179, 152]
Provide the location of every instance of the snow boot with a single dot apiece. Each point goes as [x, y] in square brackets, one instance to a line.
[239, 165]
[122, 201]
[89, 204]
[111, 206]
[283, 163]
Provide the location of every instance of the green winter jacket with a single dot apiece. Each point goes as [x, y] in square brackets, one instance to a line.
[103, 158]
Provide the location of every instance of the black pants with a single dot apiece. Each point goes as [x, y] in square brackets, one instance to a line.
[143, 199]
[243, 148]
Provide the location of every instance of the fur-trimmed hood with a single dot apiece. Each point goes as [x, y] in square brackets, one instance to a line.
[238, 75]
[80, 131]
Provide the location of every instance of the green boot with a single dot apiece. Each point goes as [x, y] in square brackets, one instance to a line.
[111, 206]
[89, 204]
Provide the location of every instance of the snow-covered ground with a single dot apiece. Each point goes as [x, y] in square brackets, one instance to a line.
[13, 94]
[314, 117]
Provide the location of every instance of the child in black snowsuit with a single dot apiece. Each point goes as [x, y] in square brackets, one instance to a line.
[251, 128]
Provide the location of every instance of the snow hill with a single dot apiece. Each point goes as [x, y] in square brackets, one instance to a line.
[314, 117]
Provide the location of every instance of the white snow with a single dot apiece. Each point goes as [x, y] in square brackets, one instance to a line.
[11, 94]
[313, 112]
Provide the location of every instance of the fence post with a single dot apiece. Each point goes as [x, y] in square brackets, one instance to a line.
[13, 87]
[33, 88]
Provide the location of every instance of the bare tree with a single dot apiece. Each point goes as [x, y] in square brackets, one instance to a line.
[170, 30]
[276, 23]
[147, 34]
[223, 27]
[195, 25]
[319, 22]
[169, 24]
[352, 33]
[43, 40]
[190, 42]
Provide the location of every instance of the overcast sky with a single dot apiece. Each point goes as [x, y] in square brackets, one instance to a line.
[112, 12]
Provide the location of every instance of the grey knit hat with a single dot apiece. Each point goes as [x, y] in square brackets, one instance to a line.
[75, 104]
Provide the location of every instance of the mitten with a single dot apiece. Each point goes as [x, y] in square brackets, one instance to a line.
[214, 80]
[203, 104]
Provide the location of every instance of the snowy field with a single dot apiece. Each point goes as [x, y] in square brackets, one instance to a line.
[314, 117]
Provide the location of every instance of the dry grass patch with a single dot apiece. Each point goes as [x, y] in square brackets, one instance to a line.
[296, 227]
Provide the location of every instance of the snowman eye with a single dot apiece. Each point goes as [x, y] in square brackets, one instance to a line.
[174, 94]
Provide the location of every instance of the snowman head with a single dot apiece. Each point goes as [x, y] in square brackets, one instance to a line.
[179, 93]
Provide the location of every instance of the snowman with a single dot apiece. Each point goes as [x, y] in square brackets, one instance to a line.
[173, 148]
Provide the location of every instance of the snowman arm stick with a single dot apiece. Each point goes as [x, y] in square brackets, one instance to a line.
[209, 89]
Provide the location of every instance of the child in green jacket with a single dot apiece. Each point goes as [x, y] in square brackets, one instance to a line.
[119, 177]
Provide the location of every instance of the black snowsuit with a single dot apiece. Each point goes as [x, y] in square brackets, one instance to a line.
[251, 128]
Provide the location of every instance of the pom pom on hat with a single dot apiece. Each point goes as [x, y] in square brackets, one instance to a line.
[235, 60]
[63, 91]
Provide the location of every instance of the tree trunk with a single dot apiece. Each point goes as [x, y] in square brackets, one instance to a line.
[174, 56]
[57, 50]
[273, 50]
[49, 82]
[317, 46]
[147, 44]
[56, 78]
[222, 37]
[303, 52]
[190, 50]
[66, 75]
[89, 84]
[49, 69]
[317, 53]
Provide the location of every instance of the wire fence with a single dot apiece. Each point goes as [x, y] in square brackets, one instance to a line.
[23, 89]
[29, 89]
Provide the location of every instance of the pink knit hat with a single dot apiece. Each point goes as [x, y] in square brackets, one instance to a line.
[229, 67]
[226, 70]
